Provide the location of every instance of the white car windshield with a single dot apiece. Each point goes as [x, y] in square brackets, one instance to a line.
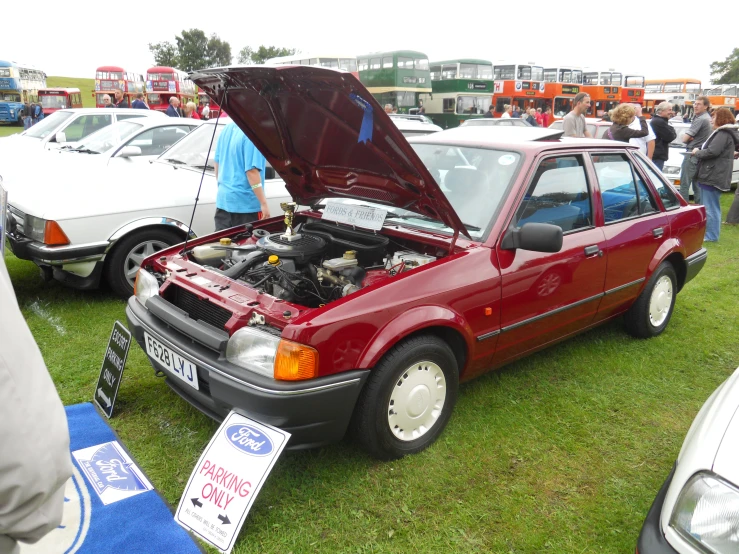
[465, 175]
[193, 148]
[108, 137]
[47, 125]
[680, 130]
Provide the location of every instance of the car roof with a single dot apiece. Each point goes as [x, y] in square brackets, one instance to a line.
[145, 113]
[529, 139]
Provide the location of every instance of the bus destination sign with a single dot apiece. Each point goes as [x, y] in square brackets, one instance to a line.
[570, 89]
[477, 86]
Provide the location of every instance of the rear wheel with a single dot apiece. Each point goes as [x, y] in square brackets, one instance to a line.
[408, 399]
[651, 312]
[131, 251]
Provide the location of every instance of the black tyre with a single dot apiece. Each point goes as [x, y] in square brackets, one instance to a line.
[651, 312]
[408, 399]
[130, 251]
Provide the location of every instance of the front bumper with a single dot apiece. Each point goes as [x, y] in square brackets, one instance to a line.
[652, 539]
[315, 412]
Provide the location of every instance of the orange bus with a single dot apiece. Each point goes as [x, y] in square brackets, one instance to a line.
[680, 91]
[163, 83]
[604, 88]
[519, 85]
[562, 84]
[109, 78]
[632, 90]
[721, 95]
[53, 99]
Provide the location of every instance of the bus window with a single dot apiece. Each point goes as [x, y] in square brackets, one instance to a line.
[590, 78]
[474, 105]
[500, 102]
[550, 75]
[348, 64]
[436, 73]
[329, 62]
[468, 71]
[405, 62]
[9, 97]
[485, 71]
[505, 72]
[448, 105]
[313, 61]
[422, 64]
[375, 63]
[449, 71]
[406, 99]
[363, 64]
[562, 106]
[387, 62]
[693, 87]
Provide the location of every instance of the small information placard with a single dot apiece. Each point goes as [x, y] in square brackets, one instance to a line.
[111, 371]
[227, 479]
[357, 215]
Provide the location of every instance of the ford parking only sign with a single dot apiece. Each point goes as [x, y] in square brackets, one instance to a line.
[227, 478]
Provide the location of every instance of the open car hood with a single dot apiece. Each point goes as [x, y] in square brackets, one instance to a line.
[326, 136]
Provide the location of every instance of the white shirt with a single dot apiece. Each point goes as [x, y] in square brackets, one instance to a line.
[505, 114]
[641, 142]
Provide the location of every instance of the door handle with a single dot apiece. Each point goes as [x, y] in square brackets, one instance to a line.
[658, 232]
[592, 250]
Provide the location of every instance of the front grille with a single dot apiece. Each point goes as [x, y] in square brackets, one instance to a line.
[196, 308]
[19, 217]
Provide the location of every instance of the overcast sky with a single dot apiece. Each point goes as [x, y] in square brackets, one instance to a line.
[581, 36]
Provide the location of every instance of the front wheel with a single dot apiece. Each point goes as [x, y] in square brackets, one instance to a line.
[408, 399]
[651, 312]
[130, 252]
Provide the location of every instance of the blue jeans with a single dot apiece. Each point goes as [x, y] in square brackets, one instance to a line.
[27, 122]
[711, 199]
[688, 172]
[660, 164]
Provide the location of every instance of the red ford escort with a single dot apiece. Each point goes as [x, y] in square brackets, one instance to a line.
[415, 267]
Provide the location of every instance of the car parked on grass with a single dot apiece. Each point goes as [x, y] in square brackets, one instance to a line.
[418, 265]
[98, 223]
[697, 509]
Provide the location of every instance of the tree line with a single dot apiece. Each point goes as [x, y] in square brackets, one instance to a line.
[194, 50]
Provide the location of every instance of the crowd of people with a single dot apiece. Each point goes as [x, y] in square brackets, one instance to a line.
[31, 113]
[711, 146]
[189, 110]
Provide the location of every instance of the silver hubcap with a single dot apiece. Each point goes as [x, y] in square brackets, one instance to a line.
[137, 255]
[416, 401]
[660, 302]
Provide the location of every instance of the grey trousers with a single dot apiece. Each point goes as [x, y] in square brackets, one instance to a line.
[226, 220]
[688, 171]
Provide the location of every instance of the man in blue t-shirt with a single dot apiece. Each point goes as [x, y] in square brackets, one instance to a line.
[239, 168]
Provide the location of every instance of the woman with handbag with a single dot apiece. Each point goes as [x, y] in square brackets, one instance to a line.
[715, 165]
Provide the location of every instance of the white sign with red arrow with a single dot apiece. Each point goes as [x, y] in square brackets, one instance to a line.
[227, 478]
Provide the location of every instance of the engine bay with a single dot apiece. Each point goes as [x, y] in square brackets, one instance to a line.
[313, 264]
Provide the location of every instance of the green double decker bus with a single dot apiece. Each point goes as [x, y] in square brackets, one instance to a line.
[396, 78]
[460, 90]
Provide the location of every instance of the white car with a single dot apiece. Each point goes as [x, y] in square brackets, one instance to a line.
[133, 139]
[697, 509]
[414, 125]
[99, 223]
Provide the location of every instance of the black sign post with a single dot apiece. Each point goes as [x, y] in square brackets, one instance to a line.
[111, 371]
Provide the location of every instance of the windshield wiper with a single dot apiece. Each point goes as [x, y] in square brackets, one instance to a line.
[470, 227]
[411, 216]
[201, 166]
[175, 161]
[84, 151]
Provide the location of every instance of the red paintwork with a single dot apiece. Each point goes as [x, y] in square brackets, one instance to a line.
[474, 289]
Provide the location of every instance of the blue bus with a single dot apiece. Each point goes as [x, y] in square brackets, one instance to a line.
[18, 84]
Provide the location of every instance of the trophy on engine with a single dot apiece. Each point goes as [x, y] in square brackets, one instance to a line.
[289, 209]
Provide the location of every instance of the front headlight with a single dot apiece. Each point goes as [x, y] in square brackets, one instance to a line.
[146, 286]
[34, 228]
[671, 170]
[253, 350]
[707, 514]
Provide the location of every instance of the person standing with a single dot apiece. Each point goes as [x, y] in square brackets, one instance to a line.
[489, 113]
[191, 111]
[239, 169]
[35, 462]
[106, 101]
[574, 122]
[27, 116]
[506, 111]
[120, 100]
[516, 113]
[664, 133]
[623, 116]
[539, 118]
[694, 137]
[139, 103]
[38, 113]
[174, 107]
[205, 114]
[547, 117]
[716, 156]
[646, 143]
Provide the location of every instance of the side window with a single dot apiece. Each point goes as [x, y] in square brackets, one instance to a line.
[669, 200]
[121, 117]
[558, 194]
[84, 125]
[501, 101]
[448, 105]
[622, 196]
[155, 141]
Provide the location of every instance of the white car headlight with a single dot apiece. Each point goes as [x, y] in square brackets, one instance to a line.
[146, 286]
[34, 228]
[707, 514]
[253, 350]
[671, 170]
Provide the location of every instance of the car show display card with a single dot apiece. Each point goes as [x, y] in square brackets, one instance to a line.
[111, 372]
[227, 479]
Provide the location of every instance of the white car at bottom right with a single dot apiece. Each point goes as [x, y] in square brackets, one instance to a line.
[697, 509]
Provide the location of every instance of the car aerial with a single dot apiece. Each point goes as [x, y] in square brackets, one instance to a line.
[697, 509]
[596, 126]
[133, 139]
[414, 125]
[419, 264]
[495, 121]
[98, 223]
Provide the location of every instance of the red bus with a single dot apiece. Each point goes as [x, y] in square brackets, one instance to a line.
[109, 78]
[215, 109]
[519, 85]
[163, 83]
[53, 99]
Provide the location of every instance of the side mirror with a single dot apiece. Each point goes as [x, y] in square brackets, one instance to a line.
[537, 237]
[129, 151]
[60, 137]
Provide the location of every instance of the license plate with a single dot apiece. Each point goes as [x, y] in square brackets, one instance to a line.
[182, 368]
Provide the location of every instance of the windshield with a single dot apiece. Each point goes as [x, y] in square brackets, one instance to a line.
[193, 148]
[474, 105]
[54, 102]
[48, 125]
[465, 175]
[109, 137]
[10, 97]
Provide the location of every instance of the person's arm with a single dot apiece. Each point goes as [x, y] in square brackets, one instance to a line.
[643, 131]
[587, 133]
[215, 168]
[569, 127]
[650, 149]
[255, 180]
[714, 148]
[689, 135]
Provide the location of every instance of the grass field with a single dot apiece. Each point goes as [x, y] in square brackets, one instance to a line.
[562, 452]
[86, 87]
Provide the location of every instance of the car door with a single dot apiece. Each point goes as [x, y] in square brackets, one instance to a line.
[151, 142]
[547, 296]
[634, 228]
